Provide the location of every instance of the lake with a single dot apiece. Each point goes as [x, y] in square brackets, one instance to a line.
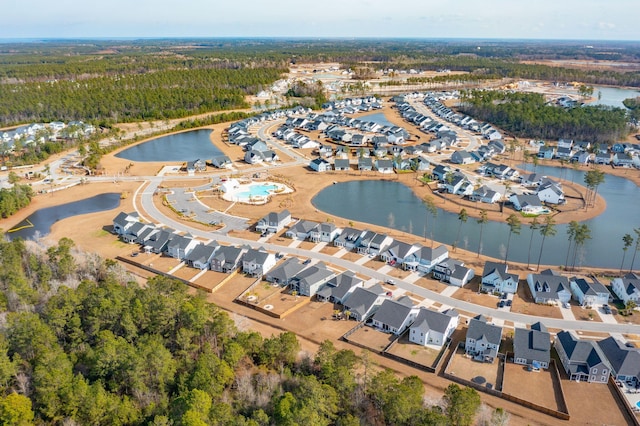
[378, 117]
[613, 96]
[39, 223]
[185, 146]
[394, 205]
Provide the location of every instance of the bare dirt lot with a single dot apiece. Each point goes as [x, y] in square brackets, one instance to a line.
[371, 338]
[466, 368]
[539, 388]
[415, 353]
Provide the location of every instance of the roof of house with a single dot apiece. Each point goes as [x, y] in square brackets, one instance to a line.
[276, 217]
[341, 284]
[429, 254]
[362, 299]
[314, 274]
[500, 269]
[551, 280]
[257, 256]
[341, 163]
[287, 270]
[228, 254]
[479, 328]
[400, 249]
[393, 312]
[202, 252]
[624, 360]
[590, 288]
[123, 218]
[180, 241]
[582, 354]
[303, 226]
[534, 344]
[631, 284]
[433, 320]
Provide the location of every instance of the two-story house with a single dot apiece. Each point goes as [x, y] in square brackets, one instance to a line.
[532, 347]
[549, 287]
[395, 316]
[497, 279]
[589, 293]
[627, 288]
[256, 262]
[583, 360]
[483, 339]
[274, 222]
[433, 327]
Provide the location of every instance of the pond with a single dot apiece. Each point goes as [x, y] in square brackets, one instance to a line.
[185, 146]
[378, 117]
[39, 223]
[612, 96]
[394, 205]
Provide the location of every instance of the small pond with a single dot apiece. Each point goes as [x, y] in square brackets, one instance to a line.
[394, 205]
[39, 223]
[612, 96]
[378, 117]
[185, 146]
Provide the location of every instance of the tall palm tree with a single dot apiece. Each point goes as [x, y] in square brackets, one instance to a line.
[547, 229]
[583, 233]
[571, 233]
[627, 241]
[462, 217]
[533, 226]
[481, 221]
[431, 208]
[633, 261]
[514, 228]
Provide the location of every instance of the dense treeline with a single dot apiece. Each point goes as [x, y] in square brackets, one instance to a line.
[14, 199]
[151, 96]
[527, 115]
[634, 106]
[82, 345]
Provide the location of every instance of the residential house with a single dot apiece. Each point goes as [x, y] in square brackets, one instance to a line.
[158, 241]
[621, 159]
[365, 164]
[440, 172]
[462, 157]
[384, 166]
[623, 360]
[363, 302]
[145, 233]
[226, 259]
[603, 158]
[341, 164]
[546, 152]
[397, 252]
[201, 255]
[564, 153]
[433, 327]
[531, 179]
[301, 230]
[627, 288]
[320, 165]
[529, 204]
[486, 195]
[285, 272]
[550, 192]
[419, 164]
[310, 280]
[532, 347]
[395, 316]
[133, 232]
[483, 339]
[549, 287]
[221, 161]
[454, 182]
[378, 243]
[274, 222]
[256, 145]
[123, 221]
[589, 293]
[424, 259]
[196, 166]
[180, 246]
[583, 360]
[325, 232]
[255, 157]
[256, 262]
[453, 271]
[497, 279]
[348, 238]
[339, 287]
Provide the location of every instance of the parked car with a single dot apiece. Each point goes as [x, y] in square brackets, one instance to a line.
[391, 282]
[501, 304]
[508, 302]
[306, 262]
[606, 309]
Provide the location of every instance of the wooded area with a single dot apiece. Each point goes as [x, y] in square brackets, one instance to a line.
[83, 345]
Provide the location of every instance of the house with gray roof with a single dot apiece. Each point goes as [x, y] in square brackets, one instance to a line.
[325, 232]
[320, 165]
[308, 281]
[227, 259]
[397, 252]
[532, 347]
[483, 339]
[549, 287]
[301, 230]
[531, 179]
[623, 360]
[123, 221]
[285, 272]
[424, 259]
[384, 165]
[485, 194]
[348, 238]
[364, 301]
[341, 164]
[497, 279]
[256, 262]
[525, 203]
[433, 327]
[181, 245]
[395, 316]
[221, 161]
[550, 192]
[627, 288]
[201, 255]
[135, 231]
[158, 241]
[274, 222]
[145, 233]
[453, 271]
[589, 293]
[365, 164]
[462, 157]
[339, 288]
[583, 360]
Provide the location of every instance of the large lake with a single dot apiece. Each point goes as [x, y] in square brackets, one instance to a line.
[394, 205]
[186, 146]
[613, 96]
[39, 223]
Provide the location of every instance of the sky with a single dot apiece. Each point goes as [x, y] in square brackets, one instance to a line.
[512, 19]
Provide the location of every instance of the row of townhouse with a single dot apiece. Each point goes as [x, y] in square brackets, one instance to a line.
[41, 132]
[583, 152]
[381, 165]
[488, 132]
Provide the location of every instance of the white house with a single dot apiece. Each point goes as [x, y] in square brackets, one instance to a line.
[257, 262]
[433, 327]
[483, 339]
[320, 165]
[496, 279]
[529, 204]
[394, 316]
[627, 288]
[589, 293]
[550, 192]
[453, 271]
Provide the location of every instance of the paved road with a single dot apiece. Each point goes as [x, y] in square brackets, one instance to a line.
[150, 208]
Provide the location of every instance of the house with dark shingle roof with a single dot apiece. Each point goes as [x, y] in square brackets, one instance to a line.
[395, 316]
[257, 262]
[363, 302]
[158, 241]
[627, 288]
[497, 279]
[201, 255]
[285, 272]
[527, 203]
[589, 293]
[340, 287]
[181, 245]
[433, 327]
[348, 238]
[123, 221]
[549, 287]
[325, 232]
[532, 347]
[397, 252]
[274, 222]
[582, 359]
[424, 259]
[310, 280]
[227, 259]
[453, 271]
[301, 230]
[623, 360]
[483, 339]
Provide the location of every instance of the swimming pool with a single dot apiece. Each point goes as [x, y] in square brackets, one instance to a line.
[258, 190]
[252, 193]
